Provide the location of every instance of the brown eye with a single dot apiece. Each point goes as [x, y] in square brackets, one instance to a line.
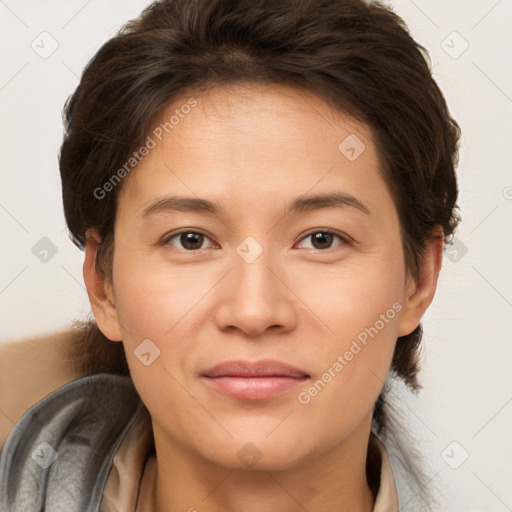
[191, 241]
[324, 239]
[186, 240]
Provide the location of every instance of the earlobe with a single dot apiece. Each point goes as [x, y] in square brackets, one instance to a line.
[99, 290]
[420, 292]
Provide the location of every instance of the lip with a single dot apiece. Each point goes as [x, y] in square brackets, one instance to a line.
[254, 380]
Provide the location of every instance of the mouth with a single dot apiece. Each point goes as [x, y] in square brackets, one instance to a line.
[253, 380]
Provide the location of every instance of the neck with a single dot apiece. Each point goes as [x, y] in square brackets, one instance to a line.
[333, 480]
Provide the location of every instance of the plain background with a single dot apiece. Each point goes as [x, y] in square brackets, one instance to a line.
[464, 412]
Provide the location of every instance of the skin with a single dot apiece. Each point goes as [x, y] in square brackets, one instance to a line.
[253, 150]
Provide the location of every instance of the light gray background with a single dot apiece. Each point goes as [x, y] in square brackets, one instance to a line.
[466, 373]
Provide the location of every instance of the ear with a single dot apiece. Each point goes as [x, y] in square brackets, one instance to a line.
[100, 290]
[420, 293]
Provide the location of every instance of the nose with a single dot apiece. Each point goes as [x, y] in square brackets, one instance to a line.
[256, 298]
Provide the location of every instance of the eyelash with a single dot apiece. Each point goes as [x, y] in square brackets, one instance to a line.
[344, 238]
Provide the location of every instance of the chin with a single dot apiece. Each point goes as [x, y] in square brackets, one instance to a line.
[258, 453]
[250, 459]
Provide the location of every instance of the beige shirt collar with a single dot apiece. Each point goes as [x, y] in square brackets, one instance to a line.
[130, 484]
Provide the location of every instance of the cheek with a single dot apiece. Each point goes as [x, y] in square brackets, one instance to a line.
[153, 308]
[361, 313]
[353, 373]
[153, 297]
[350, 299]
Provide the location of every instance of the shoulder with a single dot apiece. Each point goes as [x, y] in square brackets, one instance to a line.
[30, 369]
[60, 451]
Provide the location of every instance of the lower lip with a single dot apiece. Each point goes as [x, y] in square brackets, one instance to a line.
[253, 388]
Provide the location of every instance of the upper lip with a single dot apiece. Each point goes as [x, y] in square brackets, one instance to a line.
[265, 368]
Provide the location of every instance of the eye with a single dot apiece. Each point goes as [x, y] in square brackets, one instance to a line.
[188, 240]
[323, 239]
[195, 240]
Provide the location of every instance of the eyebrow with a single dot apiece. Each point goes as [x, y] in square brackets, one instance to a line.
[299, 204]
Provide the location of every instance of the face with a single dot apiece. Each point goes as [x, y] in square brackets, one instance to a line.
[259, 228]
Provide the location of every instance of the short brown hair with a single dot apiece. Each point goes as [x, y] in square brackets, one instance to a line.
[356, 55]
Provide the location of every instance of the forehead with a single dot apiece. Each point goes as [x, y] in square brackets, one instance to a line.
[254, 141]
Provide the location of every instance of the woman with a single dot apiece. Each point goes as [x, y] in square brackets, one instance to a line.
[263, 191]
